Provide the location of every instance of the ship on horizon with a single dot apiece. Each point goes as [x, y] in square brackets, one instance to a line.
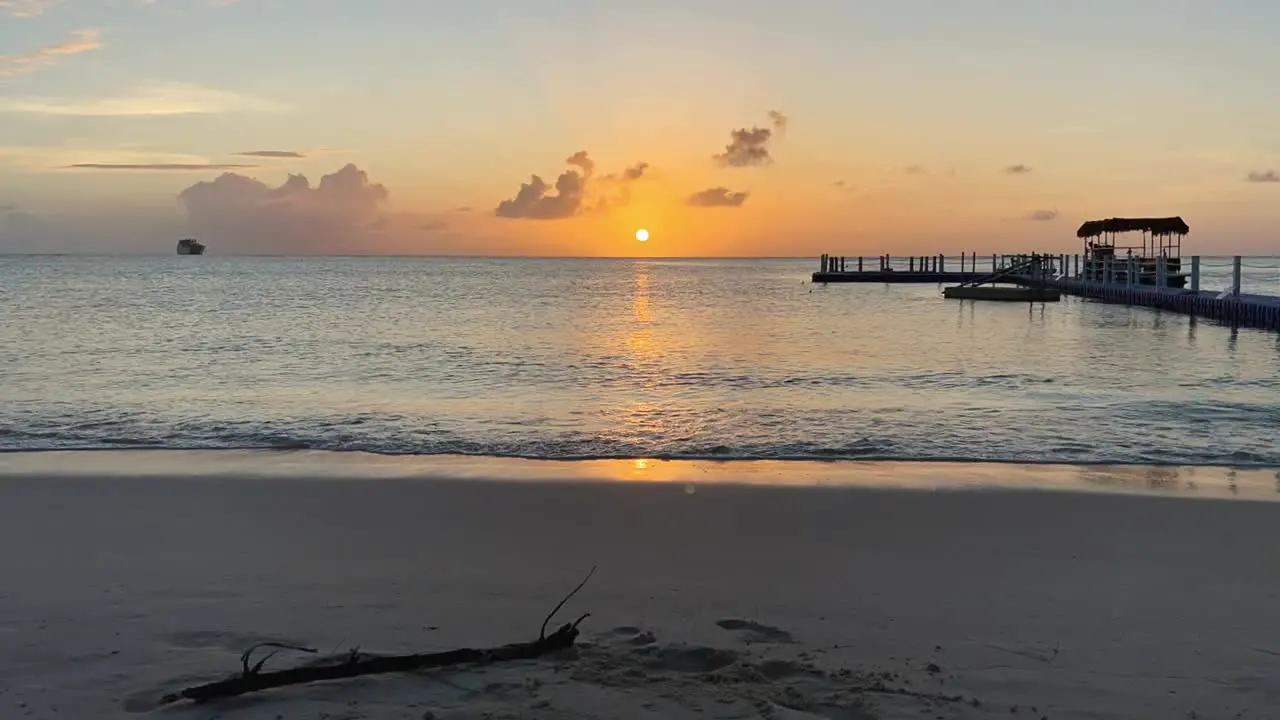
[190, 246]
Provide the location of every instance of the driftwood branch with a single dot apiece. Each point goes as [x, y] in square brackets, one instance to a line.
[252, 678]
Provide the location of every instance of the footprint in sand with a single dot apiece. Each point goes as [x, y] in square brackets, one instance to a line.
[685, 659]
[754, 632]
[634, 635]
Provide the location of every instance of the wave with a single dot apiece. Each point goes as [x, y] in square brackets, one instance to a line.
[722, 454]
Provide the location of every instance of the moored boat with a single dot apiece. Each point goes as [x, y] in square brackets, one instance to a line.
[190, 246]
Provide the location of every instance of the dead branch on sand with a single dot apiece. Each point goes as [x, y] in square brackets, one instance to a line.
[252, 679]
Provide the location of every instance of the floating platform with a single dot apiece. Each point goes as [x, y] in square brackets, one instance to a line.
[1003, 293]
[896, 276]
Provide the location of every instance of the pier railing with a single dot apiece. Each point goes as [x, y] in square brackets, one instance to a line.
[1250, 275]
[1237, 290]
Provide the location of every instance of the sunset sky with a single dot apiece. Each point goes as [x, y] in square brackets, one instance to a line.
[903, 126]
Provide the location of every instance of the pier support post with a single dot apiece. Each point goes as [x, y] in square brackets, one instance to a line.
[942, 263]
[1109, 271]
[859, 263]
[1195, 273]
[1235, 276]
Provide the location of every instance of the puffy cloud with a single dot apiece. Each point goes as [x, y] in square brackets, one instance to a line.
[81, 41]
[278, 154]
[1264, 176]
[750, 146]
[576, 191]
[159, 167]
[1043, 215]
[1018, 169]
[717, 197]
[533, 202]
[236, 213]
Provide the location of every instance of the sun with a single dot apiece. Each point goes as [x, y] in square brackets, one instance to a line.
[642, 235]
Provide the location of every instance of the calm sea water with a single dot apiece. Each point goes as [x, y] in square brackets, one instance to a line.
[725, 359]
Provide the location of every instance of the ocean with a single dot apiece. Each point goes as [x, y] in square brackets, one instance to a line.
[579, 359]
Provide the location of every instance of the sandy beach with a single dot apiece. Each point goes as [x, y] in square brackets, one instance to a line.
[712, 599]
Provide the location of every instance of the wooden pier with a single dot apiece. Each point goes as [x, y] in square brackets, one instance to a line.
[888, 269]
[1232, 308]
[1154, 276]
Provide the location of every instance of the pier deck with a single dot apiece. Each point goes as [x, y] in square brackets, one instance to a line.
[1262, 311]
[1067, 274]
[895, 276]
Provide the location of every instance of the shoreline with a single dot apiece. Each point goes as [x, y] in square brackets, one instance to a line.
[1196, 481]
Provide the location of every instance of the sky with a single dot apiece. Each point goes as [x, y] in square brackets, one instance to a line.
[559, 128]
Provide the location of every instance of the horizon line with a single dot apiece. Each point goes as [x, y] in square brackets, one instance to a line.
[445, 256]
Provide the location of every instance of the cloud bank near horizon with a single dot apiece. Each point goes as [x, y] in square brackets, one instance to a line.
[244, 215]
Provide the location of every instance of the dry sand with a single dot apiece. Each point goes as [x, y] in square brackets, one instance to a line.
[711, 601]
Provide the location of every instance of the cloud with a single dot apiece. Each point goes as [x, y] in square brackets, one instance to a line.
[533, 201]
[1018, 169]
[749, 147]
[25, 8]
[576, 191]
[236, 213]
[155, 99]
[431, 226]
[289, 154]
[635, 172]
[717, 197]
[779, 121]
[62, 158]
[181, 167]
[81, 41]
[915, 170]
[1043, 215]
[1264, 176]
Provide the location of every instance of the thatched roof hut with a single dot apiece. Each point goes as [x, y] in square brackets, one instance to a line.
[1155, 226]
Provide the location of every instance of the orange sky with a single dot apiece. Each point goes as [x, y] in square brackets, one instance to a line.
[902, 135]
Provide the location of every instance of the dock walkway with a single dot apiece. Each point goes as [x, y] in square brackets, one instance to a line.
[1262, 311]
[1065, 273]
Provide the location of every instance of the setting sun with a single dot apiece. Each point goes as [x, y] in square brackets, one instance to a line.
[642, 235]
